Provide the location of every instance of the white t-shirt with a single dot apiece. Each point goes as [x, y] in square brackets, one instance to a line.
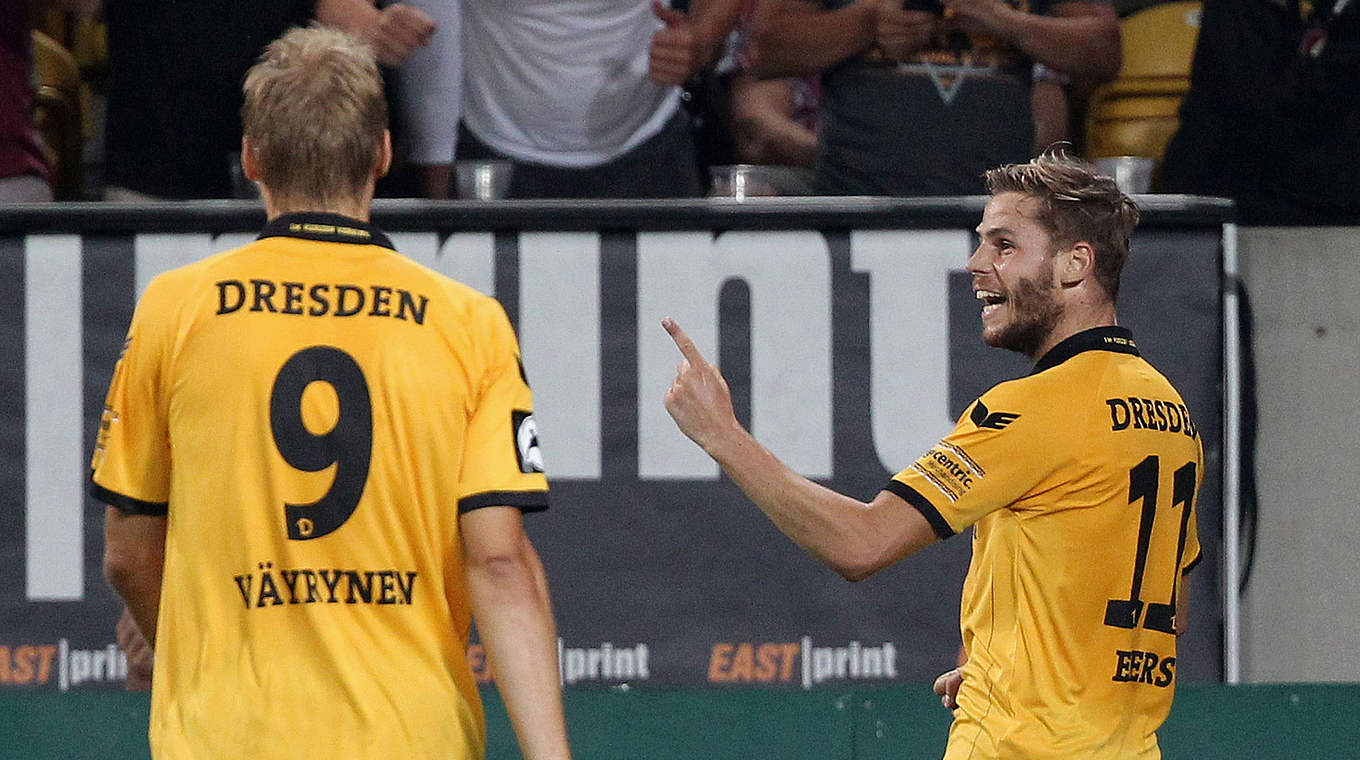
[559, 82]
[430, 86]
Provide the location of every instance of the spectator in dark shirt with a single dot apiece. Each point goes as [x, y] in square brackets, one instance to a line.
[922, 100]
[1272, 118]
[173, 127]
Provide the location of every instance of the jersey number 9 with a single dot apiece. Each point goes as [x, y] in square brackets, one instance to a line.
[348, 445]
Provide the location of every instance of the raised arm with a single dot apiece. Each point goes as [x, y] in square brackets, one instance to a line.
[509, 595]
[851, 537]
[797, 37]
[690, 42]
[395, 30]
[1080, 39]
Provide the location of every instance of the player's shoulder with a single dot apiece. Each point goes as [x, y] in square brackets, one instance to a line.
[1136, 374]
[1007, 403]
[464, 304]
[1027, 391]
[166, 289]
[1057, 395]
[464, 298]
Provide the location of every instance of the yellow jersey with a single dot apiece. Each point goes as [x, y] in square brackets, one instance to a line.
[312, 412]
[1080, 482]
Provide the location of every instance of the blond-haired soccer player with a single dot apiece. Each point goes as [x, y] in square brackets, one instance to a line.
[1079, 481]
[317, 454]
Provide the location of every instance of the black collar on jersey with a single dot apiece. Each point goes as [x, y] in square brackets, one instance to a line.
[328, 228]
[1116, 339]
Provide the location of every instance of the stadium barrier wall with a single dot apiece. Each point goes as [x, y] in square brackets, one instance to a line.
[846, 328]
[1301, 608]
[1208, 722]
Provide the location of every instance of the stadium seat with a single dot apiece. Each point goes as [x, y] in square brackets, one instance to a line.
[1137, 113]
[57, 113]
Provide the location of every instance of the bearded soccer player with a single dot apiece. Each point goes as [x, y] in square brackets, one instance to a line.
[317, 454]
[1079, 481]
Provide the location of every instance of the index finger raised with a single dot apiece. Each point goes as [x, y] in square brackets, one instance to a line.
[683, 342]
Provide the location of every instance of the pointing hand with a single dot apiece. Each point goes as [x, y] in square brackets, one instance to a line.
[698, 399]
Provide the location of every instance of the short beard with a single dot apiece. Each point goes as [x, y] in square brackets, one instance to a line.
[1036, 314]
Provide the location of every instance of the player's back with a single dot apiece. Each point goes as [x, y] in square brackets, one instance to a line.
[322, 404]
[1069, 607]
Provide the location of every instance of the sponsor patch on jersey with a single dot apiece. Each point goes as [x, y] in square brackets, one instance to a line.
[949, 469]
[525, 430]
[101, 440]
[986, 418]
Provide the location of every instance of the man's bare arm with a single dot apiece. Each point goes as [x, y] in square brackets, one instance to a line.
[509, 595]
[1080, 39]
[395, 30]
[796, 37]
[853, 538]
[134, 560]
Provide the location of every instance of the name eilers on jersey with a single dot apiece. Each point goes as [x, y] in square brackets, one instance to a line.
[320, 299]
[268, 586]
[1137, 666]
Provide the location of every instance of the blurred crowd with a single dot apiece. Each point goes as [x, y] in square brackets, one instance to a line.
[1254, 100]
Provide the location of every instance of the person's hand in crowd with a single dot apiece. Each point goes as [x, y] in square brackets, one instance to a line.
[976, 16]
[947, 686]
[677, 49]
[899, 33]
[140, 658]
[399, 30]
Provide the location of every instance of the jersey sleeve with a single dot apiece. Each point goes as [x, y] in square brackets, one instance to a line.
[131, 461]
[995, 455]
[502, 464]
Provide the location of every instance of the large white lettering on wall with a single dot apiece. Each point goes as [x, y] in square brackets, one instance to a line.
[789, 277]
[908, 335]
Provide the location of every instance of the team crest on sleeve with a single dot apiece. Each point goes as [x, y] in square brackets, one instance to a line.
[985, 418]
[525, 430]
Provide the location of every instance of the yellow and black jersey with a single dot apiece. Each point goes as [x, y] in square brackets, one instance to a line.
[1079, 481]
[312, 412]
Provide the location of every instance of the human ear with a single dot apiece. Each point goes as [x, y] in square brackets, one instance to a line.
[250, 162]
[384, 158]
[1076, 263]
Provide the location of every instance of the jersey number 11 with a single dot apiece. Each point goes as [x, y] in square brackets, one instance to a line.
[1125, 613]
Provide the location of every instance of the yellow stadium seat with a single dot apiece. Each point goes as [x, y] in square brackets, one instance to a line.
[1137, 113]
[57, 113]
[89, 47]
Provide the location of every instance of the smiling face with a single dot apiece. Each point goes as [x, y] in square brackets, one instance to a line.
[1014, 276]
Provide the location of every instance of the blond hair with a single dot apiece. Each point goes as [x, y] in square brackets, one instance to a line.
[1075, 205]
[315, 115]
